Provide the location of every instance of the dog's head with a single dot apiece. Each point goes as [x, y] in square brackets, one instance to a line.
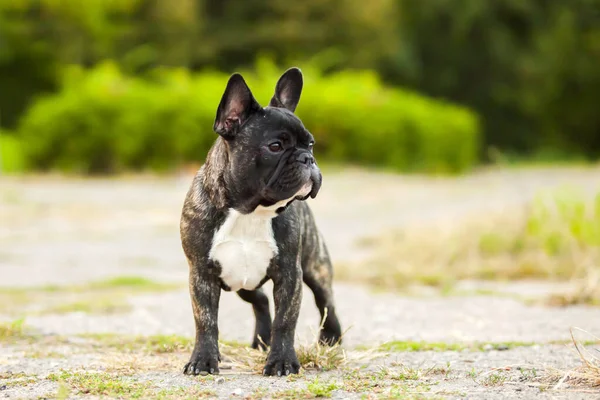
[269, 153]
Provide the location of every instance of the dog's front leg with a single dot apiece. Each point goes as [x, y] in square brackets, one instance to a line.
[205, 291]
[287, 293]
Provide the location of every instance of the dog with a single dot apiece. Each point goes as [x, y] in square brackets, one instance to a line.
[245, 221]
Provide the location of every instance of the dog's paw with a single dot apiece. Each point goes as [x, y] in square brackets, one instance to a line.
[330, 337]
[261, 343]
[279, 364]
[202, 363]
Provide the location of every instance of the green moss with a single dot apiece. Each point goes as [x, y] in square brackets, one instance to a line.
[101, 384]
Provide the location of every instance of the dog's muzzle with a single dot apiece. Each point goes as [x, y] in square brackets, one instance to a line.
[299, 168]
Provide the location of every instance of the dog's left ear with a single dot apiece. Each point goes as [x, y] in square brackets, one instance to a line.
[236, 106]
[288, 90]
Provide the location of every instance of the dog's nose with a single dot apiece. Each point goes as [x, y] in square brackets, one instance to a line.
[305, 158]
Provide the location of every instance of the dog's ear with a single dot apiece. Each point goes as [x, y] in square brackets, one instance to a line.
[288, 90]
[236, 106]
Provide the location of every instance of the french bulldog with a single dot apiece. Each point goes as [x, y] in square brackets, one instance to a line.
[245, 221]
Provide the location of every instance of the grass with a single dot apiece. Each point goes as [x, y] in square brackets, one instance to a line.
[17, 379]
[410, 346]
[190, 393]
[321, 389]
[12, 331]
[154, 344]
[494, 379]
[587, 375]
[135, 283]
[101, 384]
[321, 357]
[311, 356]
[555, 237]
[100, 297]
[106, 305]
[395, 381]
[315, 389]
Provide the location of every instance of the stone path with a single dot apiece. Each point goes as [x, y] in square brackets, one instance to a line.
[70, 231]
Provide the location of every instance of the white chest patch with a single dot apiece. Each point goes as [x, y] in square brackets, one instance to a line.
[244, 246]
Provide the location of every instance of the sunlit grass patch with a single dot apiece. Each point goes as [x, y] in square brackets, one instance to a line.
[15, 379]
[106, 305]
[100, 297]
[13, 330]
[556, 237]
[585, 290]
[101, 384]
[312, 356]
[411, 346]
[394, 381]
[315, 389]
[132, 283]
[190, 392]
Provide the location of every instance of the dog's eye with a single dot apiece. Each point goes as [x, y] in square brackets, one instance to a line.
[310, 145]
[275, 147]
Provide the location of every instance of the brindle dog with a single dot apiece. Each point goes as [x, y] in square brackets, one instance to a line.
[245, 221]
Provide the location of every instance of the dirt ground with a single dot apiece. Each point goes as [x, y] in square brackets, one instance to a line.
[71, 232]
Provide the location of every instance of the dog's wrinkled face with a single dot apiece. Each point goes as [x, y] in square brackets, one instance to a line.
[269, 150]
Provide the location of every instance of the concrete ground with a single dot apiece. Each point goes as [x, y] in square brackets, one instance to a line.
[72, 231]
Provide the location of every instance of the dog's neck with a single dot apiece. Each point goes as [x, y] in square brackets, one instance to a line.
[214, 182]
[219, 184]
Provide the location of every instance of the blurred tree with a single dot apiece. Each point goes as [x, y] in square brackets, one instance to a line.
[529, 67]
[355, 30]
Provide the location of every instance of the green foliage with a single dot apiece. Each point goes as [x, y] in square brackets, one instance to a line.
[529, 68]
[103, 121]
[12, 158]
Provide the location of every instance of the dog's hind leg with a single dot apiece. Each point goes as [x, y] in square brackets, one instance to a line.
[319, 279]
[260, 306]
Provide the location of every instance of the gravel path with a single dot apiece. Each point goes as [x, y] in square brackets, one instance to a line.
[69, 231]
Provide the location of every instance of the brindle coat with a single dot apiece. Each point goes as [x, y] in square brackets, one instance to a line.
[302, 255]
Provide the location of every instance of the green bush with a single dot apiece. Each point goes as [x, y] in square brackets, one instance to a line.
[103, 121]
[12, 158]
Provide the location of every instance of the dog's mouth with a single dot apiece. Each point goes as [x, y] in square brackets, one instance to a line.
[283, 188]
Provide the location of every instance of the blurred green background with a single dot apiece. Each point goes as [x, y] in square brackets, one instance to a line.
[436, 86]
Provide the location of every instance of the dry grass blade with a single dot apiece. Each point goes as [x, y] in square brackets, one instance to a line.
[243, 358]
[586, 375]
[314, 356]
[319, 356]
[555, 237]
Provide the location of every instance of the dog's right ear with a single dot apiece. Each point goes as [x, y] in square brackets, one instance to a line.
[236, 106]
